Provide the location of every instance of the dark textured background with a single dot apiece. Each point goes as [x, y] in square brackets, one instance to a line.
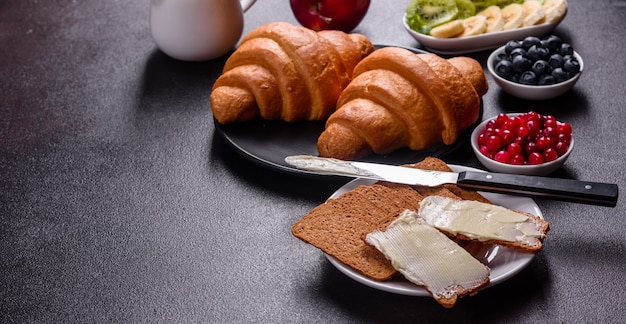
[118, 203]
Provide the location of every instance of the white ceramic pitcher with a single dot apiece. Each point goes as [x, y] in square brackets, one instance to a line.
[197, 30]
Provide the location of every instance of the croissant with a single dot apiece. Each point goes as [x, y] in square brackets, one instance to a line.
[288, 72]
[400, 99]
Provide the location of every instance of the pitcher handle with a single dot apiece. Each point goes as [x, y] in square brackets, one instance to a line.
[246, 4]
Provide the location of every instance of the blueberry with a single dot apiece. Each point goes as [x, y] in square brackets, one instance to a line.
[571, 66]
[560, 75]
[511, 45]
[528, 77]
[538, 53]
[546, 79]
[500, 57]
[566, 49]
[553, 43]
[521, 64]
[530, 41]
[518, 52]
[504, 69]
[556, 61]
[541, 67]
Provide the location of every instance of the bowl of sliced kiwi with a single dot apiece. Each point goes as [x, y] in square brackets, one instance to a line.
[465, 26]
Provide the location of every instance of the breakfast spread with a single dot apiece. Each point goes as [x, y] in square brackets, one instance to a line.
[340, 227]
[377, 101]
[400, 99]
[288, 72]
[462, 18]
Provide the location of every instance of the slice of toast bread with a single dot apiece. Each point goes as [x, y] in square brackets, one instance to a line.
[427, 257]
[338, 226]
[484, 222]
[456, 192]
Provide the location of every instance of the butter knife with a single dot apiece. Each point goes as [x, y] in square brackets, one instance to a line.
[594, 193]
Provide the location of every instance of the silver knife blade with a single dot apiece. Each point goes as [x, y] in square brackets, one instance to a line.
[597, 193]
[376, 171]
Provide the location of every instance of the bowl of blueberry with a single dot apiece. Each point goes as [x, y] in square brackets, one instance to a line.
[522, 143]
[535, 68]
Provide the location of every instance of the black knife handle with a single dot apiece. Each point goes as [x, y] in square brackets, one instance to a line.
[586, 192]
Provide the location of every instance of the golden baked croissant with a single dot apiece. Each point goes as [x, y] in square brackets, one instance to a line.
[400, 99]
[288, 72]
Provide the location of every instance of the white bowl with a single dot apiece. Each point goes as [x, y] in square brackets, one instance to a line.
[495, 166]
[470, 44]
[532, 92]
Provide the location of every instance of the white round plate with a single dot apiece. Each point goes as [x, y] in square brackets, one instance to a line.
[462, 45]
[503, 262]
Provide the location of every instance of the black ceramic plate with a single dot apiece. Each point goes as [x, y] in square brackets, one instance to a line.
[269, 142]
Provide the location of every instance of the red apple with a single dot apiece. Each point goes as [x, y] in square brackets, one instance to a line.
[318, 15]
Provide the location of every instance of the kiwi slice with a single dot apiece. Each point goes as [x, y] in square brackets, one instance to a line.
[466, 9]
[425, 14]
[504, 3]
[481, 5]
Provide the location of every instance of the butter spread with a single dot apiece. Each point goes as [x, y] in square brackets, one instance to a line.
[480, 221]
[313, 163]
[427, 257]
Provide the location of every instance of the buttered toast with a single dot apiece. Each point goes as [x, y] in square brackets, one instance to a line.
[340, 226]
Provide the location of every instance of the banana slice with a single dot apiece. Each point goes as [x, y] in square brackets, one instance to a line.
[533, 13]
[474, 25]
[448, 30]
[513, 16]
[554, 10]
[495, 22]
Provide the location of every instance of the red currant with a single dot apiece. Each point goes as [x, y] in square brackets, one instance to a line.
[533, 115]
[535, 158]
[502, 157]
[517, 159]
[522, 131]
[564, 138]
[533, 128]
[550, 155]
[514, 149]
[550, 132]
[494, 143]
[531, 147]
[543, 143]
[506, 137]
[564, 128]
[561, 148]
[501, 119]
[482, 139]
[489, 131]
[550, 121]
[484, 151]
[512, 124]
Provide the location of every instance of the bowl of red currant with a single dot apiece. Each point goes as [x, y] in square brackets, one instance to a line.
[523, 143]
[535, 68]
